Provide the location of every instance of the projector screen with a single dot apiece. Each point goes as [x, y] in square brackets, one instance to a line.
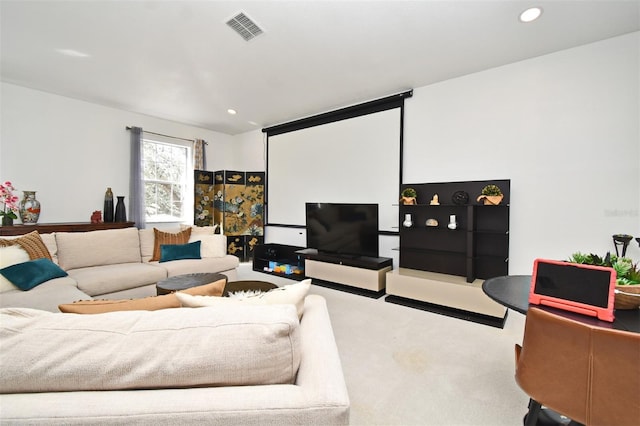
[354, 160]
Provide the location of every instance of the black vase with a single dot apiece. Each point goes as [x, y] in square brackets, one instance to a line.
[108, 206]
[121, 211]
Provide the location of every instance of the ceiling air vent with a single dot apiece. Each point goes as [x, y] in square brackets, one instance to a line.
[244, 26]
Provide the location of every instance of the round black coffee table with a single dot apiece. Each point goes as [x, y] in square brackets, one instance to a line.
[185, 281]
[233, 286]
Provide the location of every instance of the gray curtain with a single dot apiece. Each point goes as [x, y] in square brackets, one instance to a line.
[199, 157]
[136, 186]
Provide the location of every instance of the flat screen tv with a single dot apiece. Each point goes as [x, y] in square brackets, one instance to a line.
[345, 229]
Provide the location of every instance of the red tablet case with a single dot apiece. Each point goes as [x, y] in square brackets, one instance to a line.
[603, 313]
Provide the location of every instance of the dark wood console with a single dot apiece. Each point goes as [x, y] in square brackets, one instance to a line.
[47, 228]
[363, 262]
[357, 272]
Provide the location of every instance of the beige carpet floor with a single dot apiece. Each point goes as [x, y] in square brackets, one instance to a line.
[405, 366]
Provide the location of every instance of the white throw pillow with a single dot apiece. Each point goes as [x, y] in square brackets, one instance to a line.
[11, 255]
[211, 245]
[200, 230]
[289, 294]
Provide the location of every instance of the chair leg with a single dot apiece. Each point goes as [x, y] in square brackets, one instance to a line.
[531, 418]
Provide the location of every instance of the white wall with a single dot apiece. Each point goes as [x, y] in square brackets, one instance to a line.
[250, 151]
[564, 127]
[70, 151]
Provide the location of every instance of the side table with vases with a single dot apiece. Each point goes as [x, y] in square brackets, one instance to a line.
[29, 208]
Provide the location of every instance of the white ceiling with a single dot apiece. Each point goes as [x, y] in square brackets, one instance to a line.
[178, 60]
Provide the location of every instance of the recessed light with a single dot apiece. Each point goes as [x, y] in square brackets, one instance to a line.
[73, 53]
[531, 14]
[232, 111]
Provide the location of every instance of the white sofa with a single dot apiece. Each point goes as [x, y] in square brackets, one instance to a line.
[112, 264]
[317, 396]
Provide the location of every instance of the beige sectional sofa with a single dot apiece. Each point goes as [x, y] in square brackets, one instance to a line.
[113, 264]
[224, 365]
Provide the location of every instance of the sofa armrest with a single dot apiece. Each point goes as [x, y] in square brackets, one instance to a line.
[320, 370]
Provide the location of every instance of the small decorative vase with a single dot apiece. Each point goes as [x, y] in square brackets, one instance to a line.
[407, 221]
[407, 201]
[7, 221]
[490, 200]
[108, 206]
[121, 212]
[452, 222]
[29, 209]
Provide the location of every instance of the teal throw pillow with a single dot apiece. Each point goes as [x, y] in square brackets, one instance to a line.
[180, 251]
[28, 275]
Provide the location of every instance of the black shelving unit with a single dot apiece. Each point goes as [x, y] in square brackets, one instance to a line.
[477, 248]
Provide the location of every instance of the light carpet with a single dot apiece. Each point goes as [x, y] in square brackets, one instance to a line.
[405, 366]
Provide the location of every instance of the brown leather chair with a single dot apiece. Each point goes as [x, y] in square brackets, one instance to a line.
[587, 373]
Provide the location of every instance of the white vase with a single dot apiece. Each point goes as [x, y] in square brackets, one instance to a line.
[452, 222]
[408, 223]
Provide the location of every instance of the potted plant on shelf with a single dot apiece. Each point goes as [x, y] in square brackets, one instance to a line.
[491, 195]
[10, 203]
[409, 196]
[627, 277]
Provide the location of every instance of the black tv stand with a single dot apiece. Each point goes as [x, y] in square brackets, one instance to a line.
[279, 259]
[363, 272]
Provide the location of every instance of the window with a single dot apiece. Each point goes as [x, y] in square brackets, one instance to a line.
[166, 173]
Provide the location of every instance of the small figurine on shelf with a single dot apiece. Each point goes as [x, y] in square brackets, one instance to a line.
[434, 201]
[408, 222]
[96, 216]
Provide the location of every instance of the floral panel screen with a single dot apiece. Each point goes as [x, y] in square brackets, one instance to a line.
[203, 198]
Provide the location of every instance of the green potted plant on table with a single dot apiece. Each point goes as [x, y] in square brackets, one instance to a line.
[409, 196]
[9, 202]
[627, 276]
[491, 195]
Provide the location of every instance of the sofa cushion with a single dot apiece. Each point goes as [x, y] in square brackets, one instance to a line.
[31, 242]
[49, 241]
[27, 275]
[98, 280]
[191, 266]
[170, 252]
[169, 348]
[47, 296]
[96, 248]
[10, 256]
[293, 294]
[160, 238]
[146, 243]
[152, 303]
